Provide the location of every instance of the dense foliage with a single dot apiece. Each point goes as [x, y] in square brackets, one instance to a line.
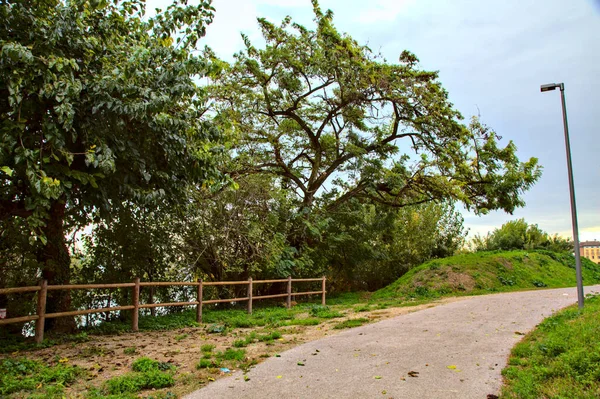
[518, 234]
[99, 110]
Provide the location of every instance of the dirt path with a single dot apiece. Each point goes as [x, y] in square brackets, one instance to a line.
[455, 350]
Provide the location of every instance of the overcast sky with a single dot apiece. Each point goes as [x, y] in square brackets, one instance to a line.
[492, 58]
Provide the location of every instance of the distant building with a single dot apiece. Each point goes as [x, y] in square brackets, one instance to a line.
[590, 250]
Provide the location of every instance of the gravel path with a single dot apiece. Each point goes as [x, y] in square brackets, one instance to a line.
[455, 350]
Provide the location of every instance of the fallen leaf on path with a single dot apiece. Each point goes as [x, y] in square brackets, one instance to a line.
[300, 364]
[377, 377]
[451, 367]
[279, 377]
[413, 374]
[519, 333]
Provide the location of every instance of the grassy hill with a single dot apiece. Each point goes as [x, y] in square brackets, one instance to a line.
[485, 272]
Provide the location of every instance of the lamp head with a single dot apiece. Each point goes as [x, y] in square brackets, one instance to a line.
[551, 86]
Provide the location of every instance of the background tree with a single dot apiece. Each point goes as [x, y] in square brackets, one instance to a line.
[98, 109]
[518, 234]
[371, 245]
[334, 122]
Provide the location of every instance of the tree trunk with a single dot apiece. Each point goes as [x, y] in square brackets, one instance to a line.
[56, 268]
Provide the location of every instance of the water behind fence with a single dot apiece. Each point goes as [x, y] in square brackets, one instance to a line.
[42, 292]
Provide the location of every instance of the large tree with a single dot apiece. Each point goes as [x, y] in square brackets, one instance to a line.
[334, 121]
[99, 108]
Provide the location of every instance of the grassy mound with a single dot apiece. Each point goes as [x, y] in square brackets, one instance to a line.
[485, 272]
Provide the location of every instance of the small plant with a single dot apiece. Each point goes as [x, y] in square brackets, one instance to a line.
[506, 280]
[422, 291]
[351, 323]
[362, 308]
[232, 354]
[145, 364]
[206, 363]
[216, 329]
[181, 337]
[207, 348]
[539, 283]
[270, 337]
[135, 382]
[81, 337]
[132, 350]
[92, 350]
[311, 321]
[324, 312]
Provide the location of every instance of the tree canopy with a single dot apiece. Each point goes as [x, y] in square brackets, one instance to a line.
[334, 121]
[99, 107]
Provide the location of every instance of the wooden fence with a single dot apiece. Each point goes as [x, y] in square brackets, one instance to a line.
[43, 288]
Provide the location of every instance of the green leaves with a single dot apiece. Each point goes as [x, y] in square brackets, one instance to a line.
[95, 100]
[7, 170]
[314, 105]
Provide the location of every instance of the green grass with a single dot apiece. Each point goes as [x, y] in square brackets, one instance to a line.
[485, 272]
[23, 375]
[207, 348]
[146, 374]
[231, 354]
[324, 312]
[560, 359]
[351, 323]
[206, 364]
[309, 321]
[130, 351]
[135, 382]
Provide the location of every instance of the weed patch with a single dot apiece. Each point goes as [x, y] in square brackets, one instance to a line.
[26, 375]
[351, 323]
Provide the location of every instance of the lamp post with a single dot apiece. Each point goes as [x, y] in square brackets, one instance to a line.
[561, 86]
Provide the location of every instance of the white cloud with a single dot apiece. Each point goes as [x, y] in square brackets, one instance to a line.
[379, 11]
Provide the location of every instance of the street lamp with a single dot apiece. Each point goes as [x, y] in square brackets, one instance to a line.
[561, 86]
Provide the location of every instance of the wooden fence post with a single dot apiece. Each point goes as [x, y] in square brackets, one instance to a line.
[323, 289]
[250, 295]
[199, 306]
[41, 312]
[151, 300]
[289, 292]
[136, 305]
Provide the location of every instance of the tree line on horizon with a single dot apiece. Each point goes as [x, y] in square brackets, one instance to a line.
[309, 155]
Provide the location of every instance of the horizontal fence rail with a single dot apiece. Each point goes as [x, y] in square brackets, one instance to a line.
[42, 293]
